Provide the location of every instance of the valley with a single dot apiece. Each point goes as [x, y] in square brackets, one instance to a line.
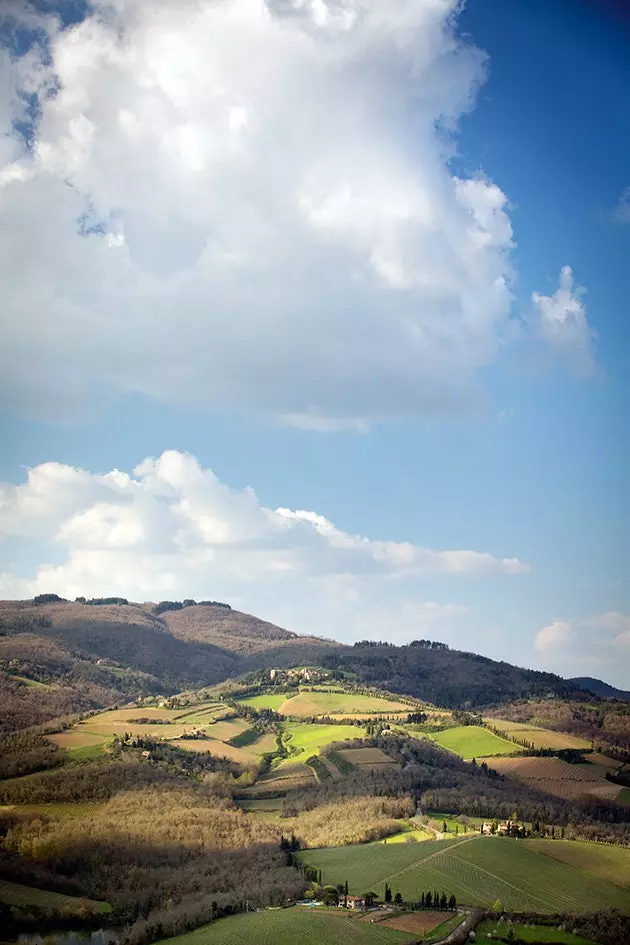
[210, 812]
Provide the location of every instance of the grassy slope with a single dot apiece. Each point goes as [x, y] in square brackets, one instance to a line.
[311, 739]
[599, 859]
[312, 702]
[268, 700]
[472, 741]
[477, 871]
[288, 926]
[14, 894]
[528, 933]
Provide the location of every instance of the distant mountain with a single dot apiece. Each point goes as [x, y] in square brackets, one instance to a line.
[599, 688]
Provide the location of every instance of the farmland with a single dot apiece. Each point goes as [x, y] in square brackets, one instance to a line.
[14, 894]
[538, 737]
[287, 926]
[268, 700]
[472, 741]
[477, 871]
[319, 702]
[366, 758]
[603, 860]
[303, 741]
[556, 777]
[214, 726]
[420, 923]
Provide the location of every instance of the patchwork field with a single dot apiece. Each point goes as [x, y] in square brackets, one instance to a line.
[310, 702]
[538, 737]
[308, 926]
[478, 871]
[599, 859]
[472, 741]
[14, 894]
[556, 777]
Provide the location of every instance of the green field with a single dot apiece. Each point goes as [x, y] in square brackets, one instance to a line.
[306, 925]
[316, 702]
[492, 929]
[599, 859]
[13, 894]
[303, 740]
[268, 700]
[472, 741]
[477, 870]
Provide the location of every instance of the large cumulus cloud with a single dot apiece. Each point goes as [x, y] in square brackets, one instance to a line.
[249, 205]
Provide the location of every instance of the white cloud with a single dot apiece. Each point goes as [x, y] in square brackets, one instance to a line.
[622, 212]
[554, 636]
[597, 645]
[173, 530]
[562, 324]
[271, 220]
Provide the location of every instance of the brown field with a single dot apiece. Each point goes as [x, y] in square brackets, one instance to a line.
[215, 747]
[223, 730]
[74, 739]
[264, 744]
[556, 777]
[539, 737]
[367, 757]
[418, 923]
[281, 780]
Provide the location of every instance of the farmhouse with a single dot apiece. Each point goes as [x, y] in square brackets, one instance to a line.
[352, 902]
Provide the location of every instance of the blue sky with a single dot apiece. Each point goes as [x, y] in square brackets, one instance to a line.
[362, 357]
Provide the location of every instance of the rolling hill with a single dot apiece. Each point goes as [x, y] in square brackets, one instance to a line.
[600, 688]
[59, 657]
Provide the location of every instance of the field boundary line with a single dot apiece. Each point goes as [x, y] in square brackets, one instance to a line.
[426, 859]
[505, 881]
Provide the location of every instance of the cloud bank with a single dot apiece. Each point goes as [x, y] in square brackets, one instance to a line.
[173, 530]
[598, 645]
[248, 206]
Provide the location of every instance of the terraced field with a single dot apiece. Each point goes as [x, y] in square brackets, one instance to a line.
[478, 871]
[308, 926]
[556, 777]
[473, 741]
[311, 702]
[598, 859]
[14, 894]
